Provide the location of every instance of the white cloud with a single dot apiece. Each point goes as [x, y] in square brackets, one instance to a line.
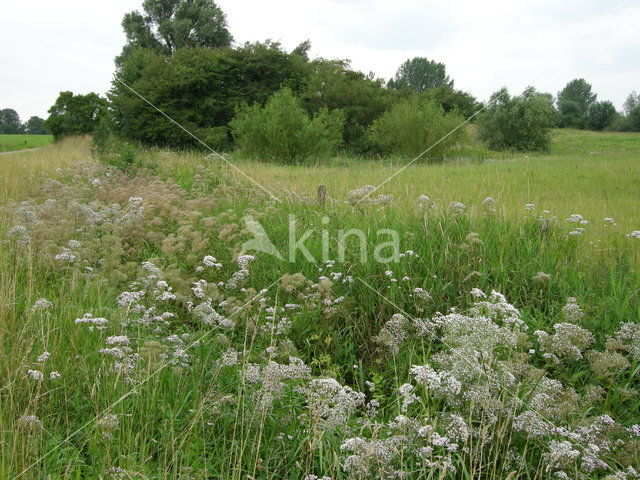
[70, 44]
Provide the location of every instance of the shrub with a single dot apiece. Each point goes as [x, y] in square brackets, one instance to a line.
[521, 123]
[633, 119]
[282, 130]
[414, 125]
[601, 114]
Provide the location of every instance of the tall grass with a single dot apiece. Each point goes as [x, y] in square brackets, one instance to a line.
[193, 394]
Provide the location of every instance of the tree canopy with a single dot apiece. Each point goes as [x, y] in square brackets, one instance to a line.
[574, 101]
[521, 123]
[168, 25]
[75, 114]
[10, 121]
[420, 74]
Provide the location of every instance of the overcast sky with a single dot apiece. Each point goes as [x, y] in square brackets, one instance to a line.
[49, 46]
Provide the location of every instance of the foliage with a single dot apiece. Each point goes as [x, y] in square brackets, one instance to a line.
[420, 74]
[521, 123]
[416, 124]
[574, 101]
[632, 101]
[10, 122]
[333, 85]
[634, 119]
[601, 115]
[453, 100]
[282, 131]
[75, 114]
[35, 126]
[169, 25]
[199, 88]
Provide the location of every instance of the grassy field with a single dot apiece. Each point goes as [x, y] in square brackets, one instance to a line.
[9, 143]
[139, 340]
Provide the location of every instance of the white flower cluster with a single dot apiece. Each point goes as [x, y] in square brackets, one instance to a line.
[331, 402]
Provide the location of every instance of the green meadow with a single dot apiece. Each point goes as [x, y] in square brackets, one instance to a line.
[9, 143]
[474, 318]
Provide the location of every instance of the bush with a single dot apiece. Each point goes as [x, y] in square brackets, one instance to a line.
[601, 114]
[282, 131]
[633, 119]
[415, 124]
[521, 123]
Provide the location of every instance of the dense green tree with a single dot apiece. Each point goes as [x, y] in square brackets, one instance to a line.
[199, 88]
[601, 114]
[75, 114]
[10, 121]
[420, 74]
[282, 131]
[414, 125]
[168, 25]
[520, 123]
[632, 101]
[633, 119]
[574, 101]
[35, 126]
[453, 100]
[333, 85]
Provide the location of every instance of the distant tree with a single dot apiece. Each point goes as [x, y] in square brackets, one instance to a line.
[200, 88]
[420, 74]
[601, 114]
[632, 101]
[521, 123]
[333, 85]
[302, 50]
[453, 100]
[168, 25]
[574, 101]
[35, 126]
[633, 119]
[10, 121]
[75, 114]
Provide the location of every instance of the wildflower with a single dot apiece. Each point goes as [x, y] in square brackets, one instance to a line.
[43, 357]
[331, 402]
[541, 277]
[19, 234]
[93, 322]
[568, 341]
[229, 358]
[209, 261]
[96, 182]
[41, 304]
[529, 207]
[457, 208]
[107, 425]
[489, 205]
[572, 311]
[634, 234]
[36, 375]
[393, 333]
[30, 422]
[54, 375]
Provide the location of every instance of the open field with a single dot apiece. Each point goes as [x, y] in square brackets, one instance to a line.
[9, 143]
[138, 340]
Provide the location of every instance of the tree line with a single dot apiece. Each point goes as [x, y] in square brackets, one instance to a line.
[10, 123]
[179, 56]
